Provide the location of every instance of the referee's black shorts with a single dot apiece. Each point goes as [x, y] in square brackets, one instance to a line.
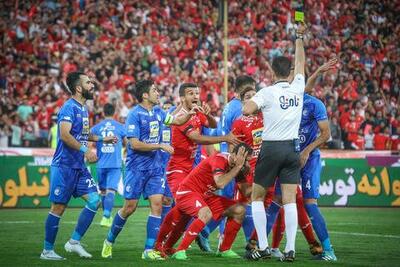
[277, 159]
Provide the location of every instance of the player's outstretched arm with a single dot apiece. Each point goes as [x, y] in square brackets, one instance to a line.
[107, 140]
[200, 139]
[322, 69]
[138, 145]
[212, 122]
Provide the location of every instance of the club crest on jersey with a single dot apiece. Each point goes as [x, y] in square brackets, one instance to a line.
[287, 102]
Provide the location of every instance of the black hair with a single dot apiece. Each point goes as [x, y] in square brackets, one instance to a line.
[245, 90]
[142, 87]
[246, 147]
[184, 86]
[109, 110]
[281, 66]
[73, 80]
[243, 80]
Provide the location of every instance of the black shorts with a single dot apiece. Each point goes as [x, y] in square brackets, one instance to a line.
[277, 159]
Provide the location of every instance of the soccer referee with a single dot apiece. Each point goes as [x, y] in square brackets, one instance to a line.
[281, 105]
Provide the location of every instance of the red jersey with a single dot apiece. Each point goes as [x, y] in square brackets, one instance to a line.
[251, 127]
[184, 148]
[201, 178]
[381, 141]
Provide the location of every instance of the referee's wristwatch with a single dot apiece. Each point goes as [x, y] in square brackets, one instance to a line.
[299, 36]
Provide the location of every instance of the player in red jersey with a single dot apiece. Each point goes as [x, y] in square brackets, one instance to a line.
[186, 137]
[196, 198]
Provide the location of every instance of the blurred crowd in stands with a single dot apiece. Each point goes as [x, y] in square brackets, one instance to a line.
[175, 41]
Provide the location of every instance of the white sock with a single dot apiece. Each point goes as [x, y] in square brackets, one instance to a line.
[260, 223]
[291, 225]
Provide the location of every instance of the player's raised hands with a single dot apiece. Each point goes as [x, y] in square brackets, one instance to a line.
[90, 156]
[241, 156]
[110, 140]
[206, 109]
[233, 139]
[167, 148]
[331, 64]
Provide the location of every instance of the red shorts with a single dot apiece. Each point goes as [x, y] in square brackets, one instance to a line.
[191, 202]
[174, 179]
[269, 196]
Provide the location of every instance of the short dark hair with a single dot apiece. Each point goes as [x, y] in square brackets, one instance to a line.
[246, 147]
[142, 87]
[109, 110]
[245, 90]
[243, 80]
[281, 66]
[73, 79]
[184, 86]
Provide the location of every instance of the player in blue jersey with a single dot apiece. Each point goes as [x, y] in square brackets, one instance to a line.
[314, 131]
[109, 162]
[69, 175]
[144, 173]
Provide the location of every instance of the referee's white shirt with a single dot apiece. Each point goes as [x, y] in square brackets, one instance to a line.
[281, 105]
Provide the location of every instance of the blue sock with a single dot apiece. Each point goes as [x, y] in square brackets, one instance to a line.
[153, 226]
[272, 212]
[108, 204]
[103, 198]
[84, 221]
[209, 228]
[319, 225]
[165, 210]
[222, 226]
[116, 227]
[248, 224]
[51, 229]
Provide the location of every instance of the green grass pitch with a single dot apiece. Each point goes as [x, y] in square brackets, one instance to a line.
[361, 237]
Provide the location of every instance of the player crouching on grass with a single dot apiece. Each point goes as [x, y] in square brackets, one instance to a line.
[196, 198]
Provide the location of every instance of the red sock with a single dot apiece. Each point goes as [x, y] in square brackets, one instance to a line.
[278, 229]
[168, 225]
[254, 235]
[304, 221]
[232, 227]
[178, 231]
[191, 233]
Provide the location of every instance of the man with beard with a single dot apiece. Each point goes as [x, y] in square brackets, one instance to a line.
[69, 175]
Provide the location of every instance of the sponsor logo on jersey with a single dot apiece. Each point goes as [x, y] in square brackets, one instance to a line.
[287, 102]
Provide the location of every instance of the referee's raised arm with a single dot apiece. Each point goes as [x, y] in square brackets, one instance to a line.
[299, 56]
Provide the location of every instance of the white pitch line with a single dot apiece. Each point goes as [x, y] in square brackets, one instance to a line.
[364, 234]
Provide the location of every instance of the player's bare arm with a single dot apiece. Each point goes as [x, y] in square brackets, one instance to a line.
[198, 138]
[69, 140]
[322, 69]
[144, 147]
[325, 134]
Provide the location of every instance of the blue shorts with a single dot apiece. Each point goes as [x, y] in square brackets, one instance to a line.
[311, 176]
[147, 182]
[167, 190]
[66, 182]
[108, 178]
